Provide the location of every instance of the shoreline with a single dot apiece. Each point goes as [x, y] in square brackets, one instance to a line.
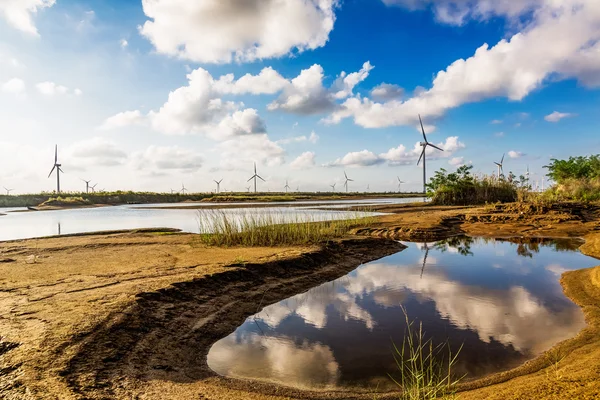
[136, 346]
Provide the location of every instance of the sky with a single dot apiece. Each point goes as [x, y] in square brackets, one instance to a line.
[153, 94]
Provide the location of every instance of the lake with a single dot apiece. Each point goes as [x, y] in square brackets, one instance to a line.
[501, 301]
[21, 225]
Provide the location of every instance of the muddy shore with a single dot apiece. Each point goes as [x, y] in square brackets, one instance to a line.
[133, 314]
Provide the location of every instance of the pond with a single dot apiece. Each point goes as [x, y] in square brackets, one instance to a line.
[20, 224]
[501, 301]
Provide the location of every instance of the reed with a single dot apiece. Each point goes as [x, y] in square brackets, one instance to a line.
[219, 228]
[425, 369]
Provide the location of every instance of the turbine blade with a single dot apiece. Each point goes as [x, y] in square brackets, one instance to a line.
[423, 129]
[345, 175]
[421, 156]
[434, 146]
[497, 164]
[250, 179]
[51, 171]
[55, 154]
[350, 180]
[501, 161]
[259, 177]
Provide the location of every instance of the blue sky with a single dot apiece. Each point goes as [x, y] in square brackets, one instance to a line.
[133, 91]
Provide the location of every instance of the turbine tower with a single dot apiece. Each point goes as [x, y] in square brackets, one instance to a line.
[58, 169]
[424, 144]
[218, 185]
[87, 185]
[400, 182]
[254, 177]
[500, 168]
[346, 181]
[8, 190]
[286, 187]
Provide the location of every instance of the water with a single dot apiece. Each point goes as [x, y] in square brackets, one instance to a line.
[21, 225]
[501, 301]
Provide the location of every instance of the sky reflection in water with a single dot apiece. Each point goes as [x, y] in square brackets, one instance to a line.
[502, 300]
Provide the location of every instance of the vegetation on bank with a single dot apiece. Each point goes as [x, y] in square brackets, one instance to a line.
[66, 202]
[577, 178]
[463, 188]
[218, 228]
[129, 197]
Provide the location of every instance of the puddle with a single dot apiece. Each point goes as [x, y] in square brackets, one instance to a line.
[501, 301]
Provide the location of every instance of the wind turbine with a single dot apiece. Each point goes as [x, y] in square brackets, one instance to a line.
[254, 177]
[500, 168]
[368, 187]
[333, 187]
[400, 182]
[183, 188]
[58, 169]
[248, 189]
[94, 188]
[298, 188]
[218, 185]
[286, 187]
[346, 181]
[424, 144]
[8, 190]
[87, 185]
[424, 259]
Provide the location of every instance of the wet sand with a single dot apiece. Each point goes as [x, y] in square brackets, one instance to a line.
[133, 314]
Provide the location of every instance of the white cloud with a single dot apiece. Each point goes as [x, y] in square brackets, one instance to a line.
[161, 158]
[51, 88]
[95, 152]
[77, 92]
[242, 151]
[399, 155]
[557, 116]
[386, 91]
[304, 160]
[313, 138]
[515, 154]
[345, 83]
[512, 68]
[14, 86]
[123, 119]
[124, 43]
[306, 94]
[18, 13]
[268, 81]
[456, 161]
[215, 31]
[496, 121]
[499, 134]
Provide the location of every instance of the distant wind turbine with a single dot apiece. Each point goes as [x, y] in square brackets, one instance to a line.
[400, 182]
[218, 185]
[248, 189]
[333, 187]
[94, 188]
[298, 188]
[424, 144]
[368, 187]
[183, 188]
[286, 187]
[56, 167]
[500, 168]
[254, 177]
[346, 181]
[87, 185]
[8, 190]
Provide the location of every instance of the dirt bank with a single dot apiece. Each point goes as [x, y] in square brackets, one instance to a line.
[132, 315]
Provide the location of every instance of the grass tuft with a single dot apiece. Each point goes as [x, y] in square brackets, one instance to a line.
[218, 228]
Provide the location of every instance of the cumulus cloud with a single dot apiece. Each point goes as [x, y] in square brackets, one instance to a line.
[18, 13]
[268, 81]
[216, 31]
[95, 151]
[304, 160]
[244, 150]
[456, 161]
[14, 86]
[399, 155]
[161, 158]
[386, 91]
[313, 138]
[512, 68]
[515, 154]
[123, 119]
[345, 83]
[557, 116]
[51, 88]
[124, 43]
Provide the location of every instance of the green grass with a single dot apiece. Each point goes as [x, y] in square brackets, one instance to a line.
[272, 229]
[425, 370]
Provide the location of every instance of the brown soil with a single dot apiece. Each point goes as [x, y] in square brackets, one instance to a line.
[132, 315]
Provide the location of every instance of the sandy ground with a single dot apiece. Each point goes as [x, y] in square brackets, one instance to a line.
[132, 315]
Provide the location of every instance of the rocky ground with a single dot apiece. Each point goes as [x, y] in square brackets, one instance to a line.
[132, 315]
